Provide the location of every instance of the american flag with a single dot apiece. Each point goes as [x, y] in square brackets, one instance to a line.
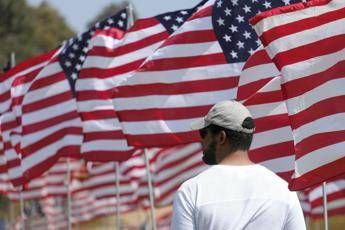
[109, 61]
[14, 84]
[260, 90]
[194, 68]
[312, 199]
[306, 42]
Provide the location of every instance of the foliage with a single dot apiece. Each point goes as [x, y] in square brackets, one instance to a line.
[29, 31]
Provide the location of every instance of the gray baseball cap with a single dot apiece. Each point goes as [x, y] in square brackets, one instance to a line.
[226, 114]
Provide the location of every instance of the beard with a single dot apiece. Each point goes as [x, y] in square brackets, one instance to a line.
[209, 154]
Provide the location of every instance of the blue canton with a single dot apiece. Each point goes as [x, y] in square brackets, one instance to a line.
[230, 19]
[173, 20]
[75, 49]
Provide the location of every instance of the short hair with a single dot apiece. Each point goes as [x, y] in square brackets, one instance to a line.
[238, 140]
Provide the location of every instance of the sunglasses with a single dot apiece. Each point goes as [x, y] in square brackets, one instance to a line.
[203, 133]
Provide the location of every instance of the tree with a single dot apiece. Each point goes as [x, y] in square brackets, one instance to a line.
[29, 31]
[107, 12]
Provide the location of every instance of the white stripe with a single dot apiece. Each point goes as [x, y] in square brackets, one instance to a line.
[258, 72]
[280, 164]
[319, 157]
[138, 35]
[286, 18]
[173, 101]
[271, 137]
[267, 109]
[330, 206]
[106, 145]
[328, 90]
[335, 122]
[101, 125]
[299, 39]
[311, 66]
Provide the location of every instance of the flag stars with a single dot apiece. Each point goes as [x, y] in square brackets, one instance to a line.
[233, 28]
[240, 18]
[220, 22]
[97, 25]
[247, 9]
[233, 54]
[240, 45]
[167, 18]
[174, 27]
[75, 47]
[82, 58]
[74, 76]
[68, 64]
[179, 19]
[250, 51]
[227, 38]
[78, 67]
[120, 23]
[71, 55]
[234, 2]
[85, 49]
[258, 42]
[219, 4]
[123, 15]
[227, 12]
[247, 35]
[267, 5]
[184, 12]
[110, 21]
[286, 2]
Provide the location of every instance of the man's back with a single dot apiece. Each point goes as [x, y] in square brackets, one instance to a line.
[236, 197]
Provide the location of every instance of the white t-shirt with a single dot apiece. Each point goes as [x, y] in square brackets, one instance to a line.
[236, 197]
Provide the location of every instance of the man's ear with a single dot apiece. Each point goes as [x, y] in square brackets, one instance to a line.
[222, 137]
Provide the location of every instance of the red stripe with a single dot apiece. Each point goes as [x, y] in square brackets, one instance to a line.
[48, 81]
[206, 12]
[98, 115]
[323, 173]
[115, 33]
[308, 51]
[336, 195]
[47, 102]
[50, 139]
[272, 152]
[286, 175]
[324, 108]
[130, 47]
[287, 9]
[191, 37]
[110, 72]
[41, 125]
[183, 62]
[5, 96]
[260, 57]
[318, 141]
[270, 122]
[27, 78]
[264, 97]
[163, 113]
[106, 156]
[86, 95]
[301, 25]
[182, 87]
[27, 64]
[245, 91]
[331, 213]
[144, 23]
[162, 139]
[303, 85]
[177, 162]
[103, 135]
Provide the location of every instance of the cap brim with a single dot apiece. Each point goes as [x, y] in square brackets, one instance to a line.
[198, 124]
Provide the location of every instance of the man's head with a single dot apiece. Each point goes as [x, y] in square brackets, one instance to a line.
[226, 128]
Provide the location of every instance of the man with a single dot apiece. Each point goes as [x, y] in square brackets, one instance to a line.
[234, 193]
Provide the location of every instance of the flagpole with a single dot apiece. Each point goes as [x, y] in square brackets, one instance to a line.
[117, 173]
[130, 14]
[69, 223]
[325, 211]
[21, 204]
[151, 196]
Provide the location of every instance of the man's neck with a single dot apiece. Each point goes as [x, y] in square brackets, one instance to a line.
[239, 157]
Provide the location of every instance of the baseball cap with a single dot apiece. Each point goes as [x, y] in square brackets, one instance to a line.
[226, 114]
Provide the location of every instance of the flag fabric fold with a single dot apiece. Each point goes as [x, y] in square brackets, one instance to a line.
[305, 41]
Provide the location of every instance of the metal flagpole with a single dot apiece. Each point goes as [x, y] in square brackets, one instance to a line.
[69, 226]
[117, 173]
[151, 196]
[130, 14]
[21, 196]
[325, 211]
[21, 204]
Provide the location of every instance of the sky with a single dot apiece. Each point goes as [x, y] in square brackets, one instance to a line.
[79, 12]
